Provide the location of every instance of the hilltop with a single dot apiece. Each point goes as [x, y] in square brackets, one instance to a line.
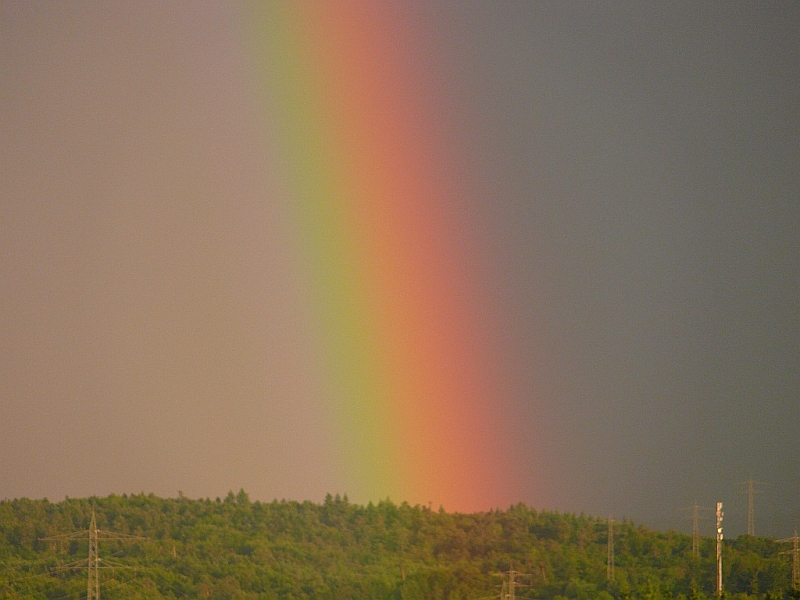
[233, 548]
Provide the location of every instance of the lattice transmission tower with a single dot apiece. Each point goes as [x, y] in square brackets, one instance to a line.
[750, 489]
[511, 581]
[610, 551]
[795, 552]
[696, 518]
[93, 563]
[719, 548]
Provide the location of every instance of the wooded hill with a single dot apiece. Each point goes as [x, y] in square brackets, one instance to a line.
[235, 549]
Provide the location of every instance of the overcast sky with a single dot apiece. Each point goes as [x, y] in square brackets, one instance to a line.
[633, 182]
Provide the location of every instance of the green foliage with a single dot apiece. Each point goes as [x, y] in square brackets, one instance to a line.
[238, 549]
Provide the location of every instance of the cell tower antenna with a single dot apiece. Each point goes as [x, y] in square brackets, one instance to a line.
[696, 518]
[719, 548]
[94, 560]
[795, 552]
[751, 489]
[610, 556]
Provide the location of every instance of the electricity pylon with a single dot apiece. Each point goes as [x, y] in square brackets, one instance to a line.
[795, 552]
[610, 551]
[93, 562]
[751, 490]
[510, 583]
[719, 548]
[93, 592]
[696, 508]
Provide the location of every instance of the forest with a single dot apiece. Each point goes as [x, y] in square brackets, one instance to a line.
[234, 548]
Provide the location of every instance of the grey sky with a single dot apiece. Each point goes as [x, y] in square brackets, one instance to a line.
[634, 169]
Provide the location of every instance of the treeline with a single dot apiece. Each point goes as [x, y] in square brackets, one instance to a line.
[238, 549]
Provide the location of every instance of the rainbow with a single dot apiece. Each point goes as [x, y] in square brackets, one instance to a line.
[373, 192]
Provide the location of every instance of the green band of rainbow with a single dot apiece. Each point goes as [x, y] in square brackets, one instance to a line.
[404, 343]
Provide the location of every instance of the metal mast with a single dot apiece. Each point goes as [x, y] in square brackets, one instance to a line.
[94, 560]
[751, 491]
[511, 586]
[610, 557]
[696, 518]
[93, 586]
[510, 583]
[719, 548]
[795, 552]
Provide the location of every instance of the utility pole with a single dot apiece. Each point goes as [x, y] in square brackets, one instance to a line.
[795, 552]
[94, 560]
[751, 490]
[695, 508]
[719, 548]
[610, 556]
